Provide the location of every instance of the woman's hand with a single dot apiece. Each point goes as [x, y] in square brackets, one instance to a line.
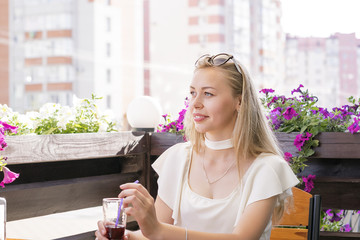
[139, 204]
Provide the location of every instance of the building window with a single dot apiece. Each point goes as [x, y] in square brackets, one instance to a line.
[108, 101]
[108, 49]
[54, 98]
[108, 24]
[108, 75]
[68, 99]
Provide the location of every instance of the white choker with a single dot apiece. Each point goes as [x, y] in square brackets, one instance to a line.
[219, 145]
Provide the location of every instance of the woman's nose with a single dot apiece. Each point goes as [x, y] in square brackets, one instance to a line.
[197, 102]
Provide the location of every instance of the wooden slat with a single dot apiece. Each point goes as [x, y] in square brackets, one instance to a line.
[332, 144]
[298, 214]
[339, 235]
[288, 234]
[339, 168]
[50, 171]
[162, 141]
[60, 147]
[338, 193]
[37, 199]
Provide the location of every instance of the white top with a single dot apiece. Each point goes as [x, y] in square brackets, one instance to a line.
[269, 175]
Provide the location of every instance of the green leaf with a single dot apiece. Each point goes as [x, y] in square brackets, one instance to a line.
[308, 152]
[303, 129]
[49, 131]
[315, 143]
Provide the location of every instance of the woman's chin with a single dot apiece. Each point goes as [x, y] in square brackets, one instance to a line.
[200, 130]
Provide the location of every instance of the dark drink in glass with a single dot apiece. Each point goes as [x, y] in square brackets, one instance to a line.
[115, 233]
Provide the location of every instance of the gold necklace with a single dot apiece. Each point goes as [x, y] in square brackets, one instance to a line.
[223, 175]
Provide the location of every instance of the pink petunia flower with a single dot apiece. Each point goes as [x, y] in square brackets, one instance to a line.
[355, 127]
[3, 144]
[290, 113]
[297, 89]
[8, 127]
[345, 228]
[9, 177]
[309, 184]
[300, 140]
[329, 213]
[267, 90]
[288, 156]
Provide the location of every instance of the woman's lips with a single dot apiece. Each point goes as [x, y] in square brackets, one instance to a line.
[199, 117]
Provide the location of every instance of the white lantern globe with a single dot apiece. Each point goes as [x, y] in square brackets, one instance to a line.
[144, 113]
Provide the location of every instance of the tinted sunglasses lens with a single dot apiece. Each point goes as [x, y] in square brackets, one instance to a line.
[220, 59]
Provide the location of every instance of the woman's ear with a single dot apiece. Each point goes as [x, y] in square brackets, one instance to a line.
[239, 103]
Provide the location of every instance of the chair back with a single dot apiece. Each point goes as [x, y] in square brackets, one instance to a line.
[301, 221]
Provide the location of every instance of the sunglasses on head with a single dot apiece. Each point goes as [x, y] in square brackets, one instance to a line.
[218, 60]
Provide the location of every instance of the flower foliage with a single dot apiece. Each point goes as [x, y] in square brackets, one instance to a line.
[9, 176]
[333, 220]
[299, 113]
[52, 118]
[174, 126]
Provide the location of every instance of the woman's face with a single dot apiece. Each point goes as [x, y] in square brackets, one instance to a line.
[212, 105]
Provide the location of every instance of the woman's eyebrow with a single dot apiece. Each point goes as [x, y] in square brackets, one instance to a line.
[203, 87]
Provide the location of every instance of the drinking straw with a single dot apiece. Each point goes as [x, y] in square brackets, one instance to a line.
[118, 215]
[120, 206]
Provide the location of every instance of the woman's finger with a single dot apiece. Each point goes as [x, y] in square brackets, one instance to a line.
[99, 236]
[136, 186]
[101, 227]
[144, 200]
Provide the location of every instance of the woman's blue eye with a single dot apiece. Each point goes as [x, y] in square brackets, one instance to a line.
[208, 94]
[192, 93]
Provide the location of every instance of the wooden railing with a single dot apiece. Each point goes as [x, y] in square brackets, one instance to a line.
[76, 171]
[61, 173]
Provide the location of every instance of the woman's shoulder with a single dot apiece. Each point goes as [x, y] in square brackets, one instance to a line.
[177, 148]
[270, 161]
[269, 158]
[180, 146]
[174, 156]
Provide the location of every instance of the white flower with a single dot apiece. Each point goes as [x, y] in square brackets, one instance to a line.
[49, 110]
[5, 111]
[103, 126]
[31, 119]
[77, 101]
[65, 116]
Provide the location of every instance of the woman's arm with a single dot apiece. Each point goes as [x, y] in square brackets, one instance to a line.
[140, 205]
[163, 211]
[252, 224]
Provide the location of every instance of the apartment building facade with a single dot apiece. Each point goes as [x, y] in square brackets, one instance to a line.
[59, 49]
[320, 62]
[181, 31]
[4, 52]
